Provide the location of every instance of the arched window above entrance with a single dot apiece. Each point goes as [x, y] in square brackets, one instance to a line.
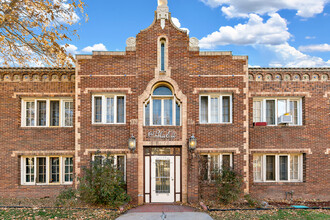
[162, 108]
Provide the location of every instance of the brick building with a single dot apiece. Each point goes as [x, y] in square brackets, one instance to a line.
[181, 106]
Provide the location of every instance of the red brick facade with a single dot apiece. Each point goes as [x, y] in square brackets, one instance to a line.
[190, 73]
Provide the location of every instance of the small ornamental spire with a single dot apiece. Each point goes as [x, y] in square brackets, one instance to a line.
[162, 12]
[162, 3]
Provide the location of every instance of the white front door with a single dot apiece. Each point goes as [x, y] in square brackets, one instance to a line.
[162, 179]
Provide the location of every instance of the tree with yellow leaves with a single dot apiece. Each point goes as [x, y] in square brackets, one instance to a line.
[31, 31]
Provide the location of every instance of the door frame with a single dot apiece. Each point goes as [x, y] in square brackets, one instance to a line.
[177, 154]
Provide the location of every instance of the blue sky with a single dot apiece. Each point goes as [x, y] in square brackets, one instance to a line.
[281, 33]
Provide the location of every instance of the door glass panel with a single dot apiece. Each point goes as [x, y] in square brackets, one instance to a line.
[162, 176]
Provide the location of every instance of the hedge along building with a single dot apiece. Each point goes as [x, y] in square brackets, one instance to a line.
[162, 94]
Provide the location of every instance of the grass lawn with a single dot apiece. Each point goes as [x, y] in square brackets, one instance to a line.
[57, 214]
[273, 214]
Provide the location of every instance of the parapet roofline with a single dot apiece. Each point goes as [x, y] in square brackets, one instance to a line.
[37, 69]
[289, 68]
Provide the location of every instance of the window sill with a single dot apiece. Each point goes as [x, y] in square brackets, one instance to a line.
[162, 126]
[108, 125]
[215, 124]
[277, 183]
[47, 184]
[39, 127]
[280, 126]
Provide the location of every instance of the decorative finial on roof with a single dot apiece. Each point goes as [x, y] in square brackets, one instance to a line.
[162, 2]
[162, 12]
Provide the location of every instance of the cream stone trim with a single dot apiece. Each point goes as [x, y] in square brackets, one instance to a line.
[43, 153]
[327, 151]
[234, 75]
[88, 76]
[109, 53]
[158, 71]
[307, 94]
[215, 53]
[83, 57]
[326, 94]
[297, 150]
[240, 57]
[77, 124]
[213, 150]
[87, 90]
[142, 98]
[88, 151]
[39, 94]
[162, 143]
[197, 90]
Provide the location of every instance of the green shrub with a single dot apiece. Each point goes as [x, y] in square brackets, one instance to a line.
[251, 201]
[66, 196]
[102, 183]
[229, 185]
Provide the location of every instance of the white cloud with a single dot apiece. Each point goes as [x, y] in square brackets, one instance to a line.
[255, 31]
[315, 48]
[241, 8]
[310, 37]
[70, 48]
[64, 17]
[288, 56]
[177, 23]
[95, 47]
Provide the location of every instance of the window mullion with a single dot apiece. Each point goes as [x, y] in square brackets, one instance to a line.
[115, 111]
[35, 170]
[173, 111]
[220, 102]
[162, 112]
[47, 170]
[289, 170]
[104, 110]
[151, 112]
[231, 108]
[277, 170]
[208, 109]
[276, 111]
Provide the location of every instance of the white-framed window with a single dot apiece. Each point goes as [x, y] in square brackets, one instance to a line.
[215, 109]
[162, 54]
[271, 109]
[109, 109]
[278, 167]
[47, 112]
[213, 163]
[162, 108]
[118, 160]
[44, 170]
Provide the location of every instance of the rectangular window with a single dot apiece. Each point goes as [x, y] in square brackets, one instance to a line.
[213, 163]
[97, 109]
[277, 111]
[68, 114]
[47, 112]
[215, 109]
[277, 168]
[257, 111]
[118, 161]
[45, 170]
[30, 113]
[108, 109]
[54, 170]
[41, 113]
[270, 112]
[41, 170]
[68, 169]
[54, 113]
[257, 168]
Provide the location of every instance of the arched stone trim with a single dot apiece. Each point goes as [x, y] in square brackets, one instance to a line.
[140, 143]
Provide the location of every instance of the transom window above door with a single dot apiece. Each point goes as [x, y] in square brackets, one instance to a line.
[162, 108]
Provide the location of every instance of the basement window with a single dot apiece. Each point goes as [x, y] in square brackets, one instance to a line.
[46, 170]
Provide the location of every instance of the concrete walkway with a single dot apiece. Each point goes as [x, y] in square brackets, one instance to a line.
[164, 211]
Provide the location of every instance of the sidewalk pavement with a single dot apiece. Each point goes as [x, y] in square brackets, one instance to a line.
[164, 212]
